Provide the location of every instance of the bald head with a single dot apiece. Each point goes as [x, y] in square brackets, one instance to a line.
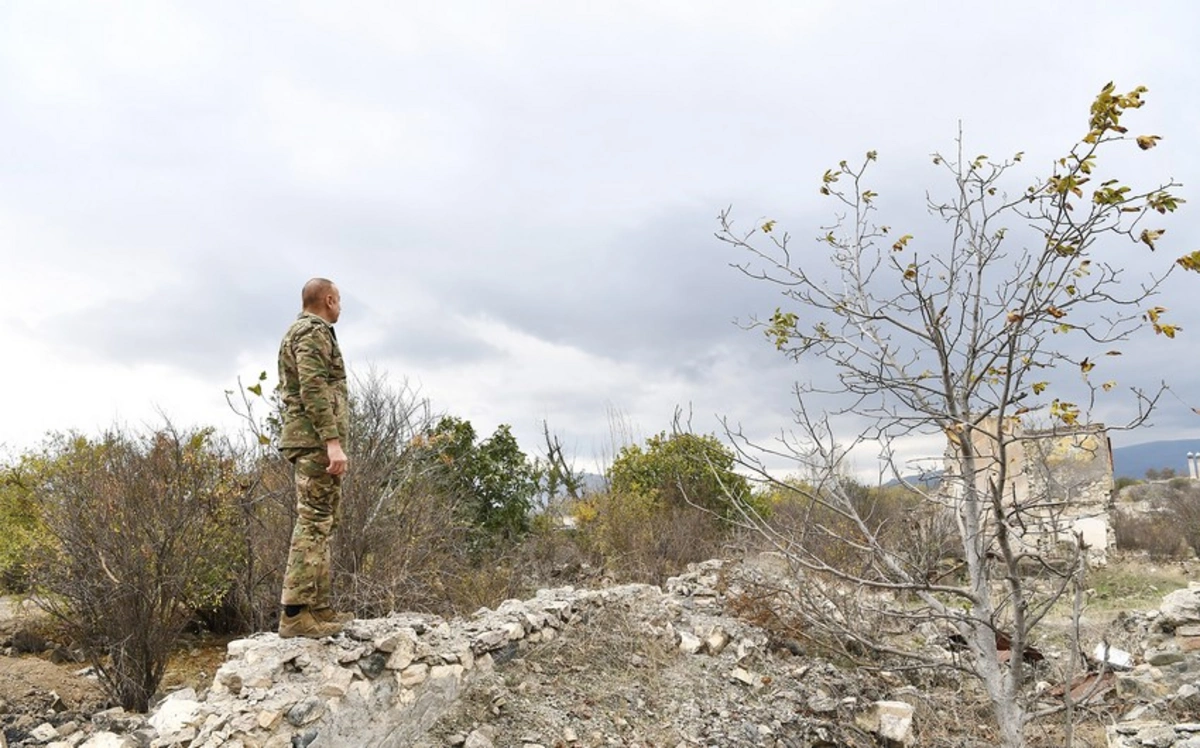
[321, 297]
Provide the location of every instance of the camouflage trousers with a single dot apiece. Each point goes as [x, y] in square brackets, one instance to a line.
[306, 581]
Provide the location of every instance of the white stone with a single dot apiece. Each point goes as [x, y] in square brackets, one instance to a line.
[466, 659]
[743, 676]
[109, 740]
[689, 643]
[396, 639]
[892, 720]
[238, 647]
[43, 732]
[268, 718]
[533, 621]
[414, 675]
[480, 738]
[361, 691]
[438, 672]
[514, 631]
[491, 639]
[821, 702]
[404, 651]
[68, 728]
[337, 683]
[1181, 607]
[176, 712]
[1118, 659]
[716, 641]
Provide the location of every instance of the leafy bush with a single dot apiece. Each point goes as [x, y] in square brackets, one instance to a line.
[680, 470]
[20, 518]
[634, 537]
[668, 505]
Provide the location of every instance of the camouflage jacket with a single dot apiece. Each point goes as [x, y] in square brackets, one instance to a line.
[312, 383]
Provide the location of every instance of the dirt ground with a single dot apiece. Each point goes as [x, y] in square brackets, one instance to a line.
[34, 683]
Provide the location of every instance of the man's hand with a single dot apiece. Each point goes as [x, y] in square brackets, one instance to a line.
[337, 458]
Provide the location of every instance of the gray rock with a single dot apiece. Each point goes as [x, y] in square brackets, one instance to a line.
[481, 738]
[891, 720]
[821, 702]
[1157, 736]
[1163, 657]
[305, 739]
[305, 711]
[1181, 607]
[373, 664]
[689, 643]
[44, 732]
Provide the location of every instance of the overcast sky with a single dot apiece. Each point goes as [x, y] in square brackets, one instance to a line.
[517, 199]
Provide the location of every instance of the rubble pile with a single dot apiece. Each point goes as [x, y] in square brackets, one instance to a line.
[416, 680]
[630, 665]
[1166, 680]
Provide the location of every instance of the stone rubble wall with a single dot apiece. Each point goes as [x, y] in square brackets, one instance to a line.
[384, 682]
[1166, 677]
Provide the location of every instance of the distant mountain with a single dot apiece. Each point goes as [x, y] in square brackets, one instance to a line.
[1133, 461]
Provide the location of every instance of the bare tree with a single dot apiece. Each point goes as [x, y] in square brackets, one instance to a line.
[957, 337]
[400, 532]
[137, 538]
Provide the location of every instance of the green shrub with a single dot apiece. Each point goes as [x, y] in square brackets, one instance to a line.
[21, 520]
[680, 470]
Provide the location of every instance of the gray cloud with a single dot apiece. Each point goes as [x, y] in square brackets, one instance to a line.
[175, 173]
[199, 326]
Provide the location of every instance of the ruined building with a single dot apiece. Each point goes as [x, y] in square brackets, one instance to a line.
[1058, 481]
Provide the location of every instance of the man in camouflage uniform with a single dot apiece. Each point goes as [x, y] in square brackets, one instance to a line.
[316, 419]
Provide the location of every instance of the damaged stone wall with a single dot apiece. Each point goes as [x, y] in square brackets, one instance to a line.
[1062, 478]
[1073, 470]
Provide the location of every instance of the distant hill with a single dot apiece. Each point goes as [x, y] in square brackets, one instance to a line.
[1133, 461]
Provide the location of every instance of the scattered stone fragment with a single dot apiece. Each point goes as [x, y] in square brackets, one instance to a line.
[481, 738]
[891, 720]
[689, 643]
[44, 732]
[305, 711]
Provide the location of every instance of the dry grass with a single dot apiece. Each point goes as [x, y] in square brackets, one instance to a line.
[1136, 583]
